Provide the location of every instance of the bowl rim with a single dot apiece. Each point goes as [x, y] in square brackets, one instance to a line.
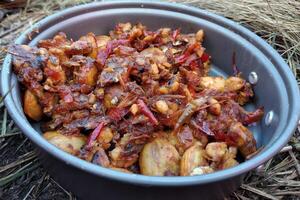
[240, 169]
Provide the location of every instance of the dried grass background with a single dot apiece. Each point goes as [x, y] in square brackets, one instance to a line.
[276, 21]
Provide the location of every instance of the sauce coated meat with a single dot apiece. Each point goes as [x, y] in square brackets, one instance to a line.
[137, 101]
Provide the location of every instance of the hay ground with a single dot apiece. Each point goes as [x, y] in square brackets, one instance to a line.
[276, 21]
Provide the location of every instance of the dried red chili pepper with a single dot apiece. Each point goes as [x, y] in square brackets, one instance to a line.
[194, 65]
[205, 57]
[203, 128]
[104, 53]
[253, 116]
[223, 137]
[183, 57]
[92, 137]
[117, 113]
[175, 34]
[55, 75]
[192, 47]
[66, 94]
[192, 90]
[146, 111]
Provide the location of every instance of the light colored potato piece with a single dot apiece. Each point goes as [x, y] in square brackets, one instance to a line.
[159, 158]
[232, 151]
[199, 35]
[215, 106]
[91, 76]
[99, 157]
[68, 143]
[220, 84]
[32, 108]
[215, 83]
[162, 106]
[91, 39]
[154, 54]
[216, 150]
[192, 158]
[170, 88]
[115, 155]
[154, 69]
[228, 160]
[244, 138]
[202, 170]
[54, 72]
[134, 109]
[125, 27]
[105, 136]
[234, 83]
[59, 53]
[108, 101]
[118, 160]
[231, 162]
[102, 41]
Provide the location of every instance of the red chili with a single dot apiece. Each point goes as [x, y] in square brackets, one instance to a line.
[146, 111]
[92, 137]
[205, 57]
[194, 65]
[206, 129]
[192, 47]
[220, 136]
[104, 53]
[225, 137]
[253, 116]
[192, 90]
[117, 113]
[66, 94]
[183, 57]
[175, 34]
[55, 75]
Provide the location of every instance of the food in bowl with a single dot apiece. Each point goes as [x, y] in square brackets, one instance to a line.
[137, 101]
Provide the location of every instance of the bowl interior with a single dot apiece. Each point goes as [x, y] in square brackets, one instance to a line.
[219, 42]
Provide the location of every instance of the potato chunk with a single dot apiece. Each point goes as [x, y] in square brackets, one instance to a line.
[102, 41]
[155, 55]
[234, 83]
[32, 108]
[202, 170]
[191, 159]
[199, 35]
[230, 162]
[159, 158]
[91, 39]
[214, 83]
[162, 106]
[87, 72]
[216, 151]
[230, 84]
[91, 76]
[68, 143]
[215, 106]
[243, 137]
[105, 137]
